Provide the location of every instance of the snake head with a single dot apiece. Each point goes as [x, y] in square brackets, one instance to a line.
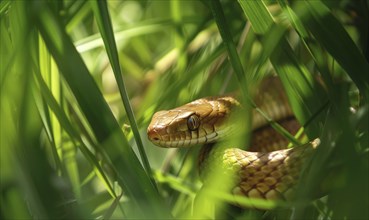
[198, 122]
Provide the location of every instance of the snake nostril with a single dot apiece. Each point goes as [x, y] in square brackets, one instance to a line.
[153, 135]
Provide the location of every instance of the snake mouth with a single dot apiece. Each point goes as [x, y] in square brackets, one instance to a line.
[186, 140]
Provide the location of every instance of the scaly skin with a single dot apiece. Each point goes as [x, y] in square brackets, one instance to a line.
[266, 175]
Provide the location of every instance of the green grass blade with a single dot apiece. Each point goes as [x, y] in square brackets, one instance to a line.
[68, 127]
[226, 35]
[106, 30]
[304, 95]
[257, 14]
[332, 35]
[131, 175]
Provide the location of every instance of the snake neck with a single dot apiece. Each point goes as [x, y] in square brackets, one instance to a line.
[203, 159]
[263, 139]
[267, 139]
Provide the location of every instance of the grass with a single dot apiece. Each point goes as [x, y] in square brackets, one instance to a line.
[80, 81]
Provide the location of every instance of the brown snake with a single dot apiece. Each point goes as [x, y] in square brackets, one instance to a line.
[260, 174]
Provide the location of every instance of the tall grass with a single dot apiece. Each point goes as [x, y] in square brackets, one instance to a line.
[80, 81]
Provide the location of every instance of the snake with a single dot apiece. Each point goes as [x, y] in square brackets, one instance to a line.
[267, 169]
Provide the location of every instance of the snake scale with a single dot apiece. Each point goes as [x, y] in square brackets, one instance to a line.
[266, 170]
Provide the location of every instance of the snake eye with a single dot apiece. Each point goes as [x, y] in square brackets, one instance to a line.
[193, 122]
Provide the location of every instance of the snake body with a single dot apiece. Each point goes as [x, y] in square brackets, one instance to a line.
[264, 171]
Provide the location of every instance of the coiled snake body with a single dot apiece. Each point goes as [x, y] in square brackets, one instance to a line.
[257, 172]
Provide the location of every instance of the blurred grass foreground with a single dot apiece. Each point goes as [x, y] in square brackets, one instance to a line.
[80, 81]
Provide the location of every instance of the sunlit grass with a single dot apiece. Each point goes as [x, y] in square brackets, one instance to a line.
[77, 95]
